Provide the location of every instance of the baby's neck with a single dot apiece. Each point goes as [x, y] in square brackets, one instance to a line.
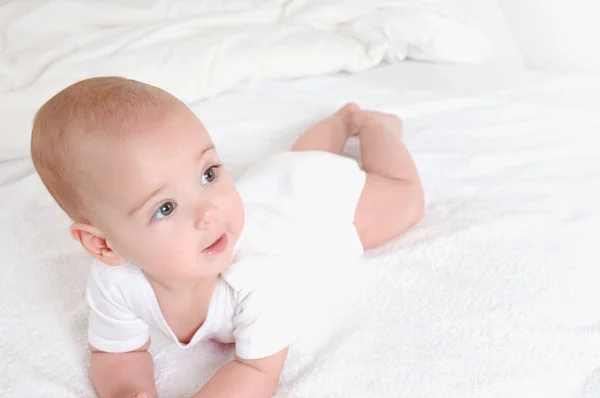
[184, 306]
[182, 290]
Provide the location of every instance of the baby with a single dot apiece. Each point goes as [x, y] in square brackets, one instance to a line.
[184, 250]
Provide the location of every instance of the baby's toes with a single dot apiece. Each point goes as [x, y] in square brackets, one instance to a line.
[348, 109]
[344, 117]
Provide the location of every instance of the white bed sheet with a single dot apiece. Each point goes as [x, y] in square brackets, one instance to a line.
[494, 294]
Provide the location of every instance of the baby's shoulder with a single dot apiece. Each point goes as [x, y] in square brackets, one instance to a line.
[270, 275]
[248, 272]
[114, 281]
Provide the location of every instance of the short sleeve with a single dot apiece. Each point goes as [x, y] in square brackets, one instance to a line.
[286, 299]
[112, 326]
[263, 324]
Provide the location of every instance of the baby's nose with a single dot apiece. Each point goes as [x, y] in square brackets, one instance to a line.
[206, 213]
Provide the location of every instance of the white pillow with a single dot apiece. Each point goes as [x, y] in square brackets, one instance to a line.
[489, 17]
[556, 35]
[199, 48]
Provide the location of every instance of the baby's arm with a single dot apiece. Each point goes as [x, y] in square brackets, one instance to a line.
[240, 378]
[126, 375]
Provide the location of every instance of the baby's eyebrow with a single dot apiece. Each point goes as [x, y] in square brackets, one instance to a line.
[208, 148]
[143, 201]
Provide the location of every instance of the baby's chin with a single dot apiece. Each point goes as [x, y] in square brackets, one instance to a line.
[214, 268]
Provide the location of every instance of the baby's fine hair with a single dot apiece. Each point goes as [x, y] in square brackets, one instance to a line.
[87, 116]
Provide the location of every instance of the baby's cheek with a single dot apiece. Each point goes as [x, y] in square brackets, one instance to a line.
[165, 255]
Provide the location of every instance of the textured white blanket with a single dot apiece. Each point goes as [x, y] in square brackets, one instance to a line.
[494, 295]
[199, 48]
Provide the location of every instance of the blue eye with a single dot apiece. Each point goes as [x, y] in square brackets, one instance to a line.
[209, 175]
[163, 211]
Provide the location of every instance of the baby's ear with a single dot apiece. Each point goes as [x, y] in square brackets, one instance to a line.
[94, 243]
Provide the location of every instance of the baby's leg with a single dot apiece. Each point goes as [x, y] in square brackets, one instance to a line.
[392, 198]
[330, 134]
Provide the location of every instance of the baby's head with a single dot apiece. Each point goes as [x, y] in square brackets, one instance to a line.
[137, 172]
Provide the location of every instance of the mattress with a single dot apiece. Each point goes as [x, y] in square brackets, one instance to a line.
[494, 294]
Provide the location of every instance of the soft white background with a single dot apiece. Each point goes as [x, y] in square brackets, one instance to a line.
[558, 35]
[495, 294]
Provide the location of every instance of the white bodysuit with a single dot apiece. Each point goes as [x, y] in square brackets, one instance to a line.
[298, 242]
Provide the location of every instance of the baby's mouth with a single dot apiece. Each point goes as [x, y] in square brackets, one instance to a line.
[217, 246]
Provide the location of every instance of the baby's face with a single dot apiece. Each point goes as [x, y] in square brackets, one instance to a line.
[168, 205]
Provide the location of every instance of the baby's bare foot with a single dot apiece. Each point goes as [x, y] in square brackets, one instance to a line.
[342, 119]
[347, 109]
[364, 121]
[329, 134]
